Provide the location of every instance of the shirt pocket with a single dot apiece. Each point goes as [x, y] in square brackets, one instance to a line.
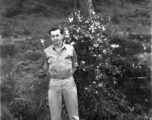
[69, 61]
[69, 64]
[52, 60]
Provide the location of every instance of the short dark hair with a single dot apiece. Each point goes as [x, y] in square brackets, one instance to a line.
[55, 28]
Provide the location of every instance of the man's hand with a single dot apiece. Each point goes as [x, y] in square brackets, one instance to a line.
[41, 73]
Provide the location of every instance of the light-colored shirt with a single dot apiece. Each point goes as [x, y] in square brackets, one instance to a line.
[61, 63]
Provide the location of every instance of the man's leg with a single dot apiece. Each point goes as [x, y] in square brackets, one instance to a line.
[55, 103]
[71, 101]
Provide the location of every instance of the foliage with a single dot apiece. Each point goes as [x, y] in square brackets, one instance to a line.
[24, 86]
[94, 51]
[8, 50]
[33, 55]
[106, 66]
[45, 8]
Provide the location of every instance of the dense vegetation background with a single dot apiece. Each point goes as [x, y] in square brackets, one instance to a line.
[114, 55]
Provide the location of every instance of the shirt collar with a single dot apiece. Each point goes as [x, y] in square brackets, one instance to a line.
[63, 46]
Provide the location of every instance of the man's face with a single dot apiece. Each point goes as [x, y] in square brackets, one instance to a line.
[56, 37]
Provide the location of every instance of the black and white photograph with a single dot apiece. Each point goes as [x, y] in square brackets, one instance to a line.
[75, 60]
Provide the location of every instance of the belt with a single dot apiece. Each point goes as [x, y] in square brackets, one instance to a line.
[61, 78]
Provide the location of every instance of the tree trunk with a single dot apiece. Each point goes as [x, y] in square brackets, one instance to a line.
[122, 3]
[75, 4]
[86, 6]
[84, 9]
[115, 18]
[94, 3]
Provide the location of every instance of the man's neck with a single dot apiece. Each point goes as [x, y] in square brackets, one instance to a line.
[58, 47]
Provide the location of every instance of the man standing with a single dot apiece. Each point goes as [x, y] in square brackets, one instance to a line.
[61, 62]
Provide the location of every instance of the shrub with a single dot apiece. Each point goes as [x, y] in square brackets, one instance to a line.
[8, 50]
[33, 55]
[96, 98]
[103, 72]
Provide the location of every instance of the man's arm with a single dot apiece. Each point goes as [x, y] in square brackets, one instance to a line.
[74, 61]
[50, 72]
[46, 65]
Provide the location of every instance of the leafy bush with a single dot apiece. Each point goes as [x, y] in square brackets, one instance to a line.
[33, 55]
[94, 58]
[24, 90]
[105, 65]
[8, 50]
[22, 81]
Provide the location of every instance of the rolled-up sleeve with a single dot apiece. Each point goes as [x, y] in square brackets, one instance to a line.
[74, 60]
